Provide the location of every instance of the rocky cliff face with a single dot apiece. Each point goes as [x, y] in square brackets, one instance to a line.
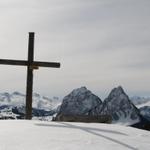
[80, 101]
[118, 105]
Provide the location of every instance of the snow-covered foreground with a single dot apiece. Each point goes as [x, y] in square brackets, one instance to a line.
[38, 135]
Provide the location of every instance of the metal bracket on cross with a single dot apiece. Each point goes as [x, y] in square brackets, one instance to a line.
[33, 67]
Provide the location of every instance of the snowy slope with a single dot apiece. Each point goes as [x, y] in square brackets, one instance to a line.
[140, 101]
[36, 135]
[144, 104]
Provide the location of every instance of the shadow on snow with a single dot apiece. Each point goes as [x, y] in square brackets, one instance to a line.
[91, 131]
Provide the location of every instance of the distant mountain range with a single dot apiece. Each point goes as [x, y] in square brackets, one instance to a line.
[12, 105]
[80, 101]
[140, 101]
[118, 105]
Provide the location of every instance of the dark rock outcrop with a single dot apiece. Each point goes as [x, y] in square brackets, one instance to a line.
[80, 102]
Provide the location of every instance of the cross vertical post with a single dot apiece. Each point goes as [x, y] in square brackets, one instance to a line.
[31, 65]
[29, 88]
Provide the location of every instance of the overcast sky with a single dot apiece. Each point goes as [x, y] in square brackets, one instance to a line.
[100, 43]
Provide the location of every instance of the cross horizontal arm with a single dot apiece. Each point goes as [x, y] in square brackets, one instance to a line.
[25, 63]
[46, 64]
[13, 62]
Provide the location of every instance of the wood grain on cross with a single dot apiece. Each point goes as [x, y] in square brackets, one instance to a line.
[31, 65]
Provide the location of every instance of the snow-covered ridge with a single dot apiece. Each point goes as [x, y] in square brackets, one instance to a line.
[17, 99]
[140, 101]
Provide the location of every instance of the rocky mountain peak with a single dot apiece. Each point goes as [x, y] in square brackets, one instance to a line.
[117, 92]
[119, 106]
[79, 102]
[79, 91]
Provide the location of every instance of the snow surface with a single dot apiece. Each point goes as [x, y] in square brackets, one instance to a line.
[41, 135]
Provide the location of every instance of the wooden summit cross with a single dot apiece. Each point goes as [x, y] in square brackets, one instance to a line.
[31, 65]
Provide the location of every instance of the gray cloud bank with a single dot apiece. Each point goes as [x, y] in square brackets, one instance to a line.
[100, 43]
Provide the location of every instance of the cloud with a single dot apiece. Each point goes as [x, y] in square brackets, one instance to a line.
[100, 43]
